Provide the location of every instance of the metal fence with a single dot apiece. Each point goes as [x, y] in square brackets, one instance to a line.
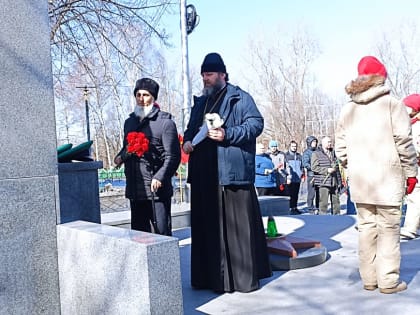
[112, 190]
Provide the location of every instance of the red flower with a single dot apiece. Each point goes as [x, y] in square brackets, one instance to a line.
[137, 143]
[184, 156]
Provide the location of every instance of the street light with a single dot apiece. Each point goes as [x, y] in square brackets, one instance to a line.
[189, 20]
[192, 19]
[85, 96]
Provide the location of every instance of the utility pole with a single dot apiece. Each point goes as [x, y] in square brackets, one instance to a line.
[85, 95]
[189, 20]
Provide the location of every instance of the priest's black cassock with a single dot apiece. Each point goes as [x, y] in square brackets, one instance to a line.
[228, 251]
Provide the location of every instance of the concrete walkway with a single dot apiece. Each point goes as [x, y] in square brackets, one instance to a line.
[333, 287]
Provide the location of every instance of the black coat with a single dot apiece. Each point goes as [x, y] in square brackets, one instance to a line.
[160, 161]
[228, 249]
[243, 123]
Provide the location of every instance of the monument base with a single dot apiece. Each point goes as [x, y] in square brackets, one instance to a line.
[109, 270]
[306, 258]
[289, 252]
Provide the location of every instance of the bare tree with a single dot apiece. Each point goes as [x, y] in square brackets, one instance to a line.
[286, 89]
[80, 27]
[70, 109]
[398, 50]
[106, 44]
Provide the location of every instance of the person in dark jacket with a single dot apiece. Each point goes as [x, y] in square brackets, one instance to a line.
[295, 175]
[148, 177]
[327, 176]
[312, 145]
[228, 249]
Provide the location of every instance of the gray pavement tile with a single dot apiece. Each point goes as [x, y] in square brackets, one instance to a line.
[333, 287]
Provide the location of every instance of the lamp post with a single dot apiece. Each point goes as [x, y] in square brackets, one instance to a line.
[189, 20]
[85, 96]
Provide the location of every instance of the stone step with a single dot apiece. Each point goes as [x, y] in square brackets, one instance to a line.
[180, 218]
[181, 214]
[274, 205]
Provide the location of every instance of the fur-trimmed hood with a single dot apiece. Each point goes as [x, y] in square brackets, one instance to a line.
[366, 88]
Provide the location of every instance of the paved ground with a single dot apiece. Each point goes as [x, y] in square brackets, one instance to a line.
[333, 287]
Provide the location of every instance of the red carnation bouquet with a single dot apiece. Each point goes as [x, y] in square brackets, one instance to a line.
[137, 143]
[184, 156]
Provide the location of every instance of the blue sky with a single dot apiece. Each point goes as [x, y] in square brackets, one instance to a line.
[345, 30]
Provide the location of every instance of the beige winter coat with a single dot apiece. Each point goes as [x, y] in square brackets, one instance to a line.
[416, 136]
[415, 128]
[373, 139]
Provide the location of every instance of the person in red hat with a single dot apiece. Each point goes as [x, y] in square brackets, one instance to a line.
[373, 141]
[412, 216]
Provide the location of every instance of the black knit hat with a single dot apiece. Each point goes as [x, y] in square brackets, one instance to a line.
[149, 85]
[213, 63]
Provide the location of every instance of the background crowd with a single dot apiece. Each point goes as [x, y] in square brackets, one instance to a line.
[281, 173]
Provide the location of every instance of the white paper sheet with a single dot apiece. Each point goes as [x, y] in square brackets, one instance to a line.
[201, 135]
